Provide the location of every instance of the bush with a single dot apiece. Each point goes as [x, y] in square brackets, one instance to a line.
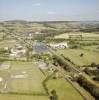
[97, 47]
[61, 62]
[74, 47]
[81, 55]
[93, 64]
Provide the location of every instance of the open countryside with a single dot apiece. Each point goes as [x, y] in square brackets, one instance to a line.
[29, 67]
[49, 50]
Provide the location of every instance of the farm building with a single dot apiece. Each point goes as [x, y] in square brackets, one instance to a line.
[19, 51]
[61, 45]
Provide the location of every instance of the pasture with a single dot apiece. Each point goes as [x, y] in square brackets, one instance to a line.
[7, 43]
[74, 55]
[64, 89]
[24, 82]
[23, 77]
[87, 36]
[21, 97]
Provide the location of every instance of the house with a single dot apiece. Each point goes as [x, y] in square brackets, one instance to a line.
[36, 33]
[61, 45]
[19, 51]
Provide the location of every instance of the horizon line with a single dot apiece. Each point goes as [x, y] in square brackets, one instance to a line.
[50, 20]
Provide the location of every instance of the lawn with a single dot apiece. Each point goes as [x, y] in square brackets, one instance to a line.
[64, 89]
[74, 56]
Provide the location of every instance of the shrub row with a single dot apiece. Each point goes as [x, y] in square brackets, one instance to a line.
[61, 62]
[88, 85]
[44, 82]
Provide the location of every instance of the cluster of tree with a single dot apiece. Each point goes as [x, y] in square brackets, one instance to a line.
[49, 40]
[3, 51]
[48, 25]
[69, 60]
[91, 29]
[93, 64]
[96, 78]
[59, 60]
[88, 85]
[75, 44]
[53, 96]
[91, 72]
[45, 34]
[98, 47]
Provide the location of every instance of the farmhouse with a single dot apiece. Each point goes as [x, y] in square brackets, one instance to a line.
[38, 33]
[61, 45]
[19, 51]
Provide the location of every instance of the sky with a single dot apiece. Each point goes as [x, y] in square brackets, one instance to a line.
[49, 10]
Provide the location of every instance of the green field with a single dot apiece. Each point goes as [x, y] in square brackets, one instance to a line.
[64, 90]
[74, 56]
[31, 84]
[84, 35]
[93, 47]
[21, 97]
[31, 88]
[7, 43]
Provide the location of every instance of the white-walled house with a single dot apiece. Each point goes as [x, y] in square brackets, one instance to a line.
[18, 52]
[61, 45]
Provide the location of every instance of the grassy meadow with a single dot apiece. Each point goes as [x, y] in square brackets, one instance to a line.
[74, 55]
[63, 89]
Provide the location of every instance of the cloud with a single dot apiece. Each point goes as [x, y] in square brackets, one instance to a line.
[37, 4]
[51, 13]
